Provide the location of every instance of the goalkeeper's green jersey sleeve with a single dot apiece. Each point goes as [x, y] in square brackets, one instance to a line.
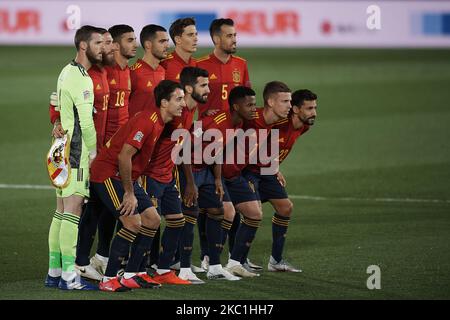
[76, 99]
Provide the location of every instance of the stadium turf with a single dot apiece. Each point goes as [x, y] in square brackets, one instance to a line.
[369, 182]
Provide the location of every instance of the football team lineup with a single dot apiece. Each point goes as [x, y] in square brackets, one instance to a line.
[355, 206]
[133, 160]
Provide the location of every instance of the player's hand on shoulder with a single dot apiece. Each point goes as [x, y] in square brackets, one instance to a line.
[211, 112]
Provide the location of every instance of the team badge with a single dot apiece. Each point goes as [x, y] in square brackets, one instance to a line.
[236, 76]
[138, 136]
[58, 165]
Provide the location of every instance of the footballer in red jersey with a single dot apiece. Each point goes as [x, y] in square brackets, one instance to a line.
[163, 187]
[184, 35]
[113, 182]
[147, 72]
[277, 98]
[272, 187]
[119, 81]
[226, 70]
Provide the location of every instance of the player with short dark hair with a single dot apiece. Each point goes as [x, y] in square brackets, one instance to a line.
[277, 104]
[226, 70]
[113, 182]
[160, 179]
[272, 187]
[75, 98]
[125, 45]
[184, 35]
[147, 72]
[95, 268]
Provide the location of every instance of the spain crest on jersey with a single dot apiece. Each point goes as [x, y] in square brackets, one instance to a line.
[58, 165]
[236, 76]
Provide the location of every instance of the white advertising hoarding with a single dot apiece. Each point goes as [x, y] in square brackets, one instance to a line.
[266, 23]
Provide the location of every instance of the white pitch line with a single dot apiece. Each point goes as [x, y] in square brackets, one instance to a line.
[293, 196]
[25, 186]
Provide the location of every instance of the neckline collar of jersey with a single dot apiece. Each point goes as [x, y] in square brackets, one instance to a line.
[214, 57]
[74, 63]
[176, 56]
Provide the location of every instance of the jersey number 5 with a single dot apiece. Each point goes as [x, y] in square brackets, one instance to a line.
[224, 92]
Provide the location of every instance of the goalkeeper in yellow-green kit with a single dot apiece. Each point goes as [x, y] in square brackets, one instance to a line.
[75, 99]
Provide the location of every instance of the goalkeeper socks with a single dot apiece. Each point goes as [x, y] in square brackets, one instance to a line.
[106, 224]
[226, 226]
[170, 241]
[54, 264]
[140, 249]
[201, 221]
[120, 249]
[68, 235]
[279, 229]
[86, 234]
[244, 237]
[214, 236]
[186, 241]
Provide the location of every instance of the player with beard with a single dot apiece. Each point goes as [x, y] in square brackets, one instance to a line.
[184, 35]
[225, 69]
[272, 187]
[147, 72]
[88, 223]
[124, 45]
[75, 97]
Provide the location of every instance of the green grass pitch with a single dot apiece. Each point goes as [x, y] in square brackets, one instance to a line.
[382, 133]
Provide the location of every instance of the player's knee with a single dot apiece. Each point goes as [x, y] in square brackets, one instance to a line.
[132, 223]
[215, 213]
[285, 208]
[250, 210]
[150, 218]
[228, 211]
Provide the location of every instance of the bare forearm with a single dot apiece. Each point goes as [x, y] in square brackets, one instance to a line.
[125, 169]
[187, 169]
[217, 170]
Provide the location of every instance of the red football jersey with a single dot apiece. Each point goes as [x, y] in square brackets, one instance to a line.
[119, 94]
[161, 165]
[144, 79]
[173, 65]
[222, 78]
[221, 121]
[142, 132]
[287, 136]
[250, 149]
[101, 97]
